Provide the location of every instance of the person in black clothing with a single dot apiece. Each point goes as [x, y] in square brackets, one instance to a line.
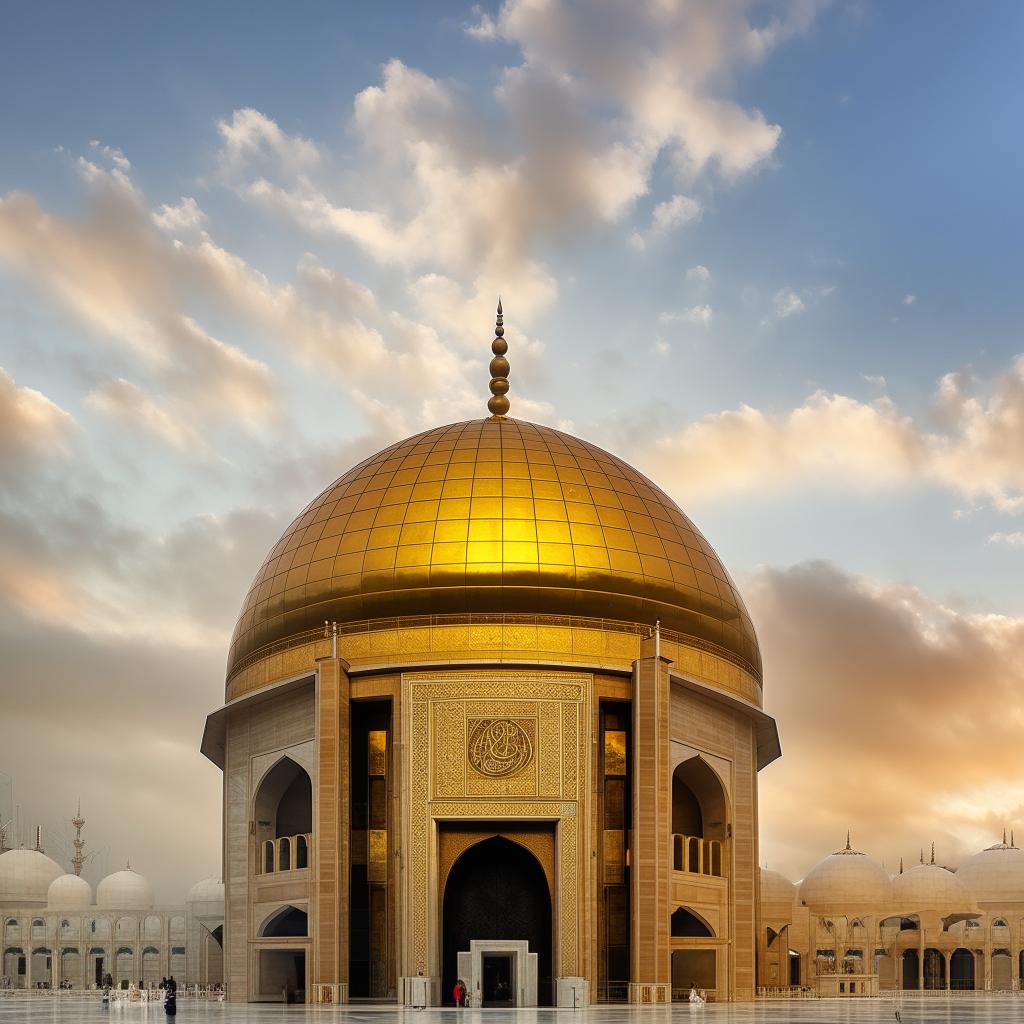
[171, 999]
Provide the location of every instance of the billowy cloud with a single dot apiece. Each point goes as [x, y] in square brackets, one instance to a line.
[30, 423]
[978, 451]
[468, 205]
[120, 272]
[910, 709]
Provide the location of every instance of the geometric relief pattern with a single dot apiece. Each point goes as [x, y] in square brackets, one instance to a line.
[442, 709]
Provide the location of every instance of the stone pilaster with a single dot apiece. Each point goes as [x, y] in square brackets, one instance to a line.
[331, 825]
[650, 849]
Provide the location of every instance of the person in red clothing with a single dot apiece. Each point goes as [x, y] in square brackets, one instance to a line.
[459, 992]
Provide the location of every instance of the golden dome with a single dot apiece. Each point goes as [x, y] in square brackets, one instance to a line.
[494, 516]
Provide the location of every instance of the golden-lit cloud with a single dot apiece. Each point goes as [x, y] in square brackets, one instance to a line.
[900, 718]
[974, 447]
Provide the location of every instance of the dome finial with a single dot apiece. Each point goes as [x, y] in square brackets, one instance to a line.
[933, 852]
[901, 865]
[1012, 844]
[848, 846]
[1004, 835]
[498, 403]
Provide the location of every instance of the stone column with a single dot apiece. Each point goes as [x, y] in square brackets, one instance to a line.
[165, 946]
[85, 936]
[920, 955]
[331, 825]
[651, 847]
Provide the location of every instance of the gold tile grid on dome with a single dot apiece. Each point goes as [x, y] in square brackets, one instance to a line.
[493, 520]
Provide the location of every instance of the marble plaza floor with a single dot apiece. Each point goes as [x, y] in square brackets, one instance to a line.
[979, 1009]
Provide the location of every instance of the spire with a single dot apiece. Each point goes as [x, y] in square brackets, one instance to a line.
[498, 403]
[1012, 843]
[128, 864]
[1004, 835]
[922, 855]
[79, 843]
[901, 865]
[39, 839]
[848, 847]
[933, 852]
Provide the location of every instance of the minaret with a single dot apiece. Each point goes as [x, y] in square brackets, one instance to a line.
[498, 403]
[79, 859]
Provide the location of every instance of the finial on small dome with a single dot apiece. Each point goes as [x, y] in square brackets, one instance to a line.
[848, 846]
[901, 865]
[498, 402]
[921, 861]
[1004, 835]
[1012, 843]
[128, 864]
[933, 852]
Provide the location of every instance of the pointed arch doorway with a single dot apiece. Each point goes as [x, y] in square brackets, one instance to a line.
[497, 891]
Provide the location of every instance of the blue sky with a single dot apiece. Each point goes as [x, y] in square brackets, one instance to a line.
[767, 252]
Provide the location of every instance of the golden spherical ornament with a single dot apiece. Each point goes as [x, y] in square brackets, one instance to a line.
[498, 405]
[499, 367]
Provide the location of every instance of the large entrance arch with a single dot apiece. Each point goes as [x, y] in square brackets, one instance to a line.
[497, 890]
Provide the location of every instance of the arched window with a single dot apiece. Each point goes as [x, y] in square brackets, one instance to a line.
[38, 929]
[286, 922]
[268, 855]
[700, 816]
[301, 852]
[684, 922]
[151, 927]
[284, 801]
[284, 854]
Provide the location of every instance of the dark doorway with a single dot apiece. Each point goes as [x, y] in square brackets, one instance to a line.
[498, 984]
[794, 968]
[497, 890]
[961, 970]
[910, 969]
[99, 972]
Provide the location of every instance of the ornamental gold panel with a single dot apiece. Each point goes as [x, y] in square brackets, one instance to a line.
[494, 746]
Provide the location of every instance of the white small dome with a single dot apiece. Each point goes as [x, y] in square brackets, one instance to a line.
[995, 875]
[69, 892]
[930, 887]
[846, 879]
[776, 888]
[124, 890]
[209, 890]
[25, 876]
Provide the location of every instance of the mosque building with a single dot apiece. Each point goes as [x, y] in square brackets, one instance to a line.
[851, 929]
[57, 932]
[493, 711]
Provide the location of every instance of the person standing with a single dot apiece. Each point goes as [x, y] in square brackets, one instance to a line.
[459, 992]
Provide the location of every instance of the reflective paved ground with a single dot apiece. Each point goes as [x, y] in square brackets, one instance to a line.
[981, 1009]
